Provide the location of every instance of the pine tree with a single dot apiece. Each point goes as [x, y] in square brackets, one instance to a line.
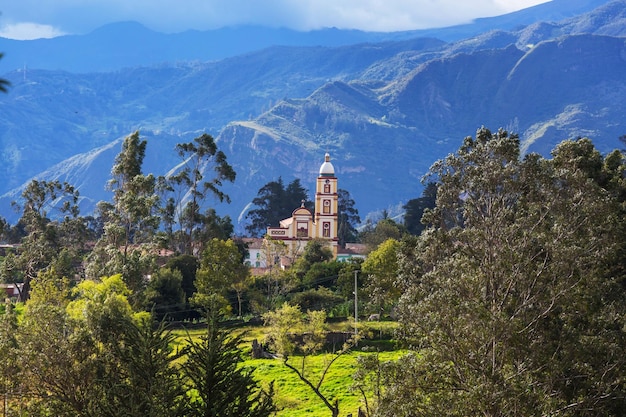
[223, 388]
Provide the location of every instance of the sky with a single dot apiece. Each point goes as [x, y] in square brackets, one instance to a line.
[32, 19]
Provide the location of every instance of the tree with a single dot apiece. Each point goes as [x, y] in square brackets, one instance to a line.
[221, 264]
[224, 389]
[414, 209]
[320, 298]
[369, 379]
[165, 296]
[132, 361]
[345, 278]
[130, 223]
[384, 229]
[141, 377]
[59, 369]
[193, 188]
[9, 355]
[240, 284]
[212, 226]
[274, 203]
[510, 293]
[46, 239]
[322, 274]
[313, 265]
[93, 355]
[381, 268]
[315, 251]
[271, 253]
[348, 218]
[288, 330]
[134, 196]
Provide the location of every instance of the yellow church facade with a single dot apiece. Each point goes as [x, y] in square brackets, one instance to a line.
[304, 226]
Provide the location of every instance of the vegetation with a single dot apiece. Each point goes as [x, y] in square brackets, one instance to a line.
[414, 209]
[274, 203]
[221, 386]
[514, 295]
[510, 301]
[191, 189]
[348, 219]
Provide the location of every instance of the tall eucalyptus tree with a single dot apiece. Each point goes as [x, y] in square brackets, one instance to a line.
[514, 293]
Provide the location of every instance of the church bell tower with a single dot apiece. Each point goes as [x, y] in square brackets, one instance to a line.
[326, 204]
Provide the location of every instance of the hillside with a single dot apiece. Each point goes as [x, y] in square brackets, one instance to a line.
[129, 44]
[385, 111]
[385, 144]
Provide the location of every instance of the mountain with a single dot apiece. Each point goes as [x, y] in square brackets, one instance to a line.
[383, 140]
[385, 111]
[129, 44]
[59, 114]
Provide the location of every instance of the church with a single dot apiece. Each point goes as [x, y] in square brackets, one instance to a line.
[303, 226]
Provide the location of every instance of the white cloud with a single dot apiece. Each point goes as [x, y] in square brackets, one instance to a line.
[27, 31]
[80, 16]
[513, 5]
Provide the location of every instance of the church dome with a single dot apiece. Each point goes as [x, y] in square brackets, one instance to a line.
[327, 169]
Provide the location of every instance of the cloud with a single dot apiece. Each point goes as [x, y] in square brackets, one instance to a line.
[80, 16]
[28, 31]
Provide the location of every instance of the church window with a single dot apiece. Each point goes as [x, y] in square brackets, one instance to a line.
[303, 229]
[326, 229]
[326, 209]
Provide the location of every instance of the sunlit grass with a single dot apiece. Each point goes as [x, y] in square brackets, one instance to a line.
[292, 396]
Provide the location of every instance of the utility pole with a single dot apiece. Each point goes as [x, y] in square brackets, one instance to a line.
[356, 306]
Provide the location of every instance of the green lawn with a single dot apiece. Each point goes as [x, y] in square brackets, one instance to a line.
[292, 396]
[296, 399]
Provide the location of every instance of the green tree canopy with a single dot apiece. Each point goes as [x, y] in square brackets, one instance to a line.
[165, 295]
[191, 186]
[54, 232]
[187, 265]
[221, 265]
[381, 268]
[274, 203]
[415, 208]
[224, 389]
[385, 228]
[316, 251]
[511, 293]
[290, 331]
[130, 222]
[348, 218]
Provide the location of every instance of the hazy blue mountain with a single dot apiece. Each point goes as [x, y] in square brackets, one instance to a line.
[383, 140]
[49, 116]
[385, 111]
[129, 44]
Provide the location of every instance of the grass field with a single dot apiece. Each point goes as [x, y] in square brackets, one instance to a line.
[296, 399]
[292, 396]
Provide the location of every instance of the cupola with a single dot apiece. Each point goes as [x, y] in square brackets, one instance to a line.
[327, 169]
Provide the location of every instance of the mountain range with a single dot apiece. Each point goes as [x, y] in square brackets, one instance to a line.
[385, 106]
